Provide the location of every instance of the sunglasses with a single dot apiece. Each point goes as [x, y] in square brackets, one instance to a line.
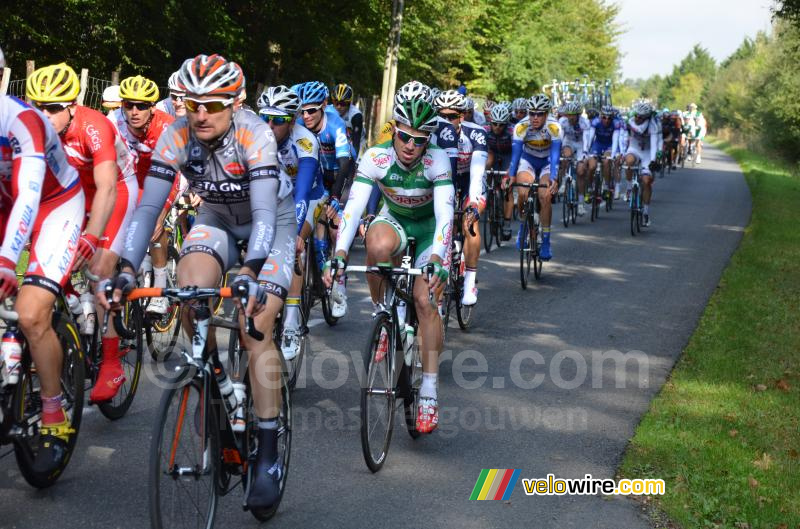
[213, 106]
[449, 116]
[276, 120]
[176, 97]
[498, 124]
[128, 105]
[341, 103]
[419, 141]
[51, 108]
[311, 111]
[537, 114]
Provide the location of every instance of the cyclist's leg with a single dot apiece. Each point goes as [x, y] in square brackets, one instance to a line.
[546, 209]
[472, 251]
[386, 239]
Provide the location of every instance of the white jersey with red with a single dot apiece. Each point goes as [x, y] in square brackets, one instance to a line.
[91, 139]
[40, 195]
[142, 146]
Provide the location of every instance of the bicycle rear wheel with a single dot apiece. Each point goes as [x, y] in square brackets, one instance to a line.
[634, 205]
[524, 254]
[27, 405]
[377, 394]
[536, 238]
[131, 358]
[184, 460]
[499, 219]
[566, 204]
[596, 197]
[488, 222]
[162, 333]
[411, 378]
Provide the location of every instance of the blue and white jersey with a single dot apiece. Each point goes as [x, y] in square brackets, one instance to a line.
[298, 159]
[333, 142]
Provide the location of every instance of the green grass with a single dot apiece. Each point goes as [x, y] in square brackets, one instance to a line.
[724, 432]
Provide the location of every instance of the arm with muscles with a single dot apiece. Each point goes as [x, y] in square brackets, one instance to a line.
[588, 136]
[105, 180]
[443, 198]
[555, 158]
[615, 146]
[344, 163]
[516, 155]
[307, 169]
[477, 176]
[26, 196]
[359, 196]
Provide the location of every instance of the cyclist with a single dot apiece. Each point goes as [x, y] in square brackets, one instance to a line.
[604, 141]
[230, 160]
[335, 159]
[488, 105]
[470, 116]
[535, 153]
[414, 177]
[111, 98]
[342, 102]
[298, 158]
[643, 132]
[469, 181]
[576, 131]
[671, 131]
[498, 141]
[700, 129]
[688, 130]
[41, 200]
[141, 124]
[173, 105]
[519, 110]
[106, 171]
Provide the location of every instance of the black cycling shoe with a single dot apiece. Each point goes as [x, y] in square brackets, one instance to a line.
[52, 450]
[506, 233]
[265, 487]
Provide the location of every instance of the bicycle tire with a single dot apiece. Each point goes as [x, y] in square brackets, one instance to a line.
[411, 379]
[487, 222]
[499, 215]
[464, 313]
[118, 406]
[169, 325]
[26, 404]
[524, 261]
[536, 257]
[380, 371]
[204, 446]
[284, 441]
[565, 205]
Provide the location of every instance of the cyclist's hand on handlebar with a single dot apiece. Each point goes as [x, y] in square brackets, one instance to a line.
[256, 294]
[505, 183]
[8, 278]
[195, 200]
[120, 285]
[87, 247]
[299, 245]
[333, 269]
[436, 275]
[552, 186]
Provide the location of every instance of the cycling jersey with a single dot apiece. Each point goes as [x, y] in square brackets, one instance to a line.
[446, 139]
[471, 167]
[143, 146]
[298, 158]
[500, 146]
[91, 139]
[412, 196]
[238, 180]
[605, 137]
[576, 136]
[40, 195]
[354, 121]
[535, 147]
[333, 142]
[643, 141]
[167, 106]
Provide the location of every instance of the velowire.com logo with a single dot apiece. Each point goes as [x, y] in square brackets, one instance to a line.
[495, 484]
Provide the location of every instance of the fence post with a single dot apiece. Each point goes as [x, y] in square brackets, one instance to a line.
[30, 66]
[84, 85]
[5, 80]
[115, 77]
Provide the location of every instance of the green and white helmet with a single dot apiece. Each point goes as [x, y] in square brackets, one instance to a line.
[416, 113]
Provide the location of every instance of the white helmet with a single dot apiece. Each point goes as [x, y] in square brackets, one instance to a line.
[500, 114]
[174, 83]
[211, 75]
[413, 90]
[643, 109]
[469, 103]
[111, 94]
[519, 103]
[539, 103]
[450, 99]
[573, 107]
[278, 100]
[2, 59]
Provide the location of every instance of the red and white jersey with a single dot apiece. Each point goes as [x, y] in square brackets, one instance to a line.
[91, 139]
[143, 146]
[33, 169]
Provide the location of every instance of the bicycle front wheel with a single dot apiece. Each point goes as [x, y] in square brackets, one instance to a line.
[131, 359]
[184, 460]
[524, 254]
[378, 393]
[488, 222]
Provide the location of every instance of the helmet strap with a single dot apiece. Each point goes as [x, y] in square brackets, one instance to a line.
[71, 117]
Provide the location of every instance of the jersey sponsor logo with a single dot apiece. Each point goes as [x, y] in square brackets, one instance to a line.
[446, 134]
[341, 138]
[427, 161]
[94, 137]
[235, 168]
[195, 152]
[166, 153]
[305, 144]
[197, 167]
[409, 200]
[15, 147]
[553, 128]
[381, 160]
[520, 129]
[22, 230]
[66, 257]
[34, 186]
[478, 137]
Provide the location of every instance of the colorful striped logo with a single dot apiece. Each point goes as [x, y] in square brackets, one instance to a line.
[495, 484]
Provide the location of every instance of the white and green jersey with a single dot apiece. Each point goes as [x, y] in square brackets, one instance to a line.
[413, 195]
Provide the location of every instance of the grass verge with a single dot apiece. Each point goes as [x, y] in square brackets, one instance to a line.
[724, 432]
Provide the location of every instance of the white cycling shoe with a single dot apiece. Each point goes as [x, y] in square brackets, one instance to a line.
[158, 306]
[338, 301]
[290, 345]
[581, 210]
[470, 296]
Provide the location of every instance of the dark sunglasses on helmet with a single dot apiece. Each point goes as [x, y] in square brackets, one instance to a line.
[51, 108]
[128, 105]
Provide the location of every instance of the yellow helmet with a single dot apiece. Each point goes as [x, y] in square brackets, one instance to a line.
[138, 88]
[57, 83]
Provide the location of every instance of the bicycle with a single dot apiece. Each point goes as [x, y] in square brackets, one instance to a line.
[454, 289]
[195, 452]
[389, 377]
[530, 248]
[493, 218]
[313, 287]
[569, 205]
[635, 200]
[20, 400]
[596, 192]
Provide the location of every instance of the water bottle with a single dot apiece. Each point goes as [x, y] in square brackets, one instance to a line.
[239, 391]
[11, 349]
[401, 312]
[89, 313]
[408, 344]
[226, 389]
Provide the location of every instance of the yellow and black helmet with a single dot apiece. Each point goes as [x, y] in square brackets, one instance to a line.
[342, 92]
[138, 88]
[57, 83]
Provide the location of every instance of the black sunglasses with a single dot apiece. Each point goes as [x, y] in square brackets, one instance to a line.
[449, 116]
[495, 124]
[537, 114]
[139, 106]
[51, 108]
[419, 141]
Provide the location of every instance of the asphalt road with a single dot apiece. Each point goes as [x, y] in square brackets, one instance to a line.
[533, 386]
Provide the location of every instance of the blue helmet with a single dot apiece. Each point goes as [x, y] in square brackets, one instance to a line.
[313, 92]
